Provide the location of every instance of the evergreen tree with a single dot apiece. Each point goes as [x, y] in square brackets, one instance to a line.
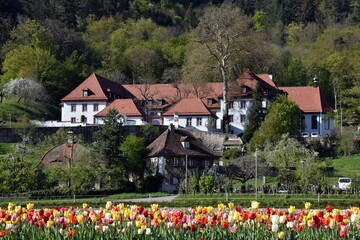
[256, 115]
[108, 138]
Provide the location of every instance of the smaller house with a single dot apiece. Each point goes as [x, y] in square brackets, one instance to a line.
[189, 113]
[175, 153]
[128, 112]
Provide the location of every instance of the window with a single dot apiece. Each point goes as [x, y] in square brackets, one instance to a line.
[73, 120]
[231, 118]
[231, 104]
[242, 118]
[242, 104]
[210, 101]
[85, 93]
[190, 162]
[198, 121]
[96, 107]
[175, 162]
[84, 107]
[83, 119]
[206, 164]
[314, 122]
[187, 144]
[188, 121]
[243, 89]
[73, 107]
[160, 102]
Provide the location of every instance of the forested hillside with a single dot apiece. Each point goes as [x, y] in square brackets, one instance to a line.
[58, 43]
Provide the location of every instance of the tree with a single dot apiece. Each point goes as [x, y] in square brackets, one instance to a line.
[219, 30]
[347, 142]
[206, 183]
[27, 61]
[108, 139]
[242, 169]
[133, 151]
[283, 117]
[256, 115]
[27, 89]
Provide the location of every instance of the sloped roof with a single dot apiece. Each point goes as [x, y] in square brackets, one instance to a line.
[249, 79]
[124, 106]
[188, 107]
[60, 155]
[309, 99]
[99, 88]
[169, 144]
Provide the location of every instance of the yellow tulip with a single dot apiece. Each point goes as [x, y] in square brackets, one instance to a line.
[209, 209]
[143, 227]
[281, 235]
[10, 206]
[30, 206]
[85, 205]
[126, 213]
[332, 223]
[199, 209]
[56, 214]
[307, 205]
[49, 224]
[291, 209]
[67, 214]
[24, 216]
[154, 207]
[18, 209]
[138, 224]
[236, 216]
[221, 207]
[80, 218]
[255, 205]
[231, 205]
[164, 213]
[108, 205]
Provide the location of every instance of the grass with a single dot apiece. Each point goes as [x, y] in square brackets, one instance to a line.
[6, 148]
[19, 110]
[347, 166]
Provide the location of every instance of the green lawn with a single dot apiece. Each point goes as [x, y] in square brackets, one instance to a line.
[347, 166]
[6, 148]
[18, 111]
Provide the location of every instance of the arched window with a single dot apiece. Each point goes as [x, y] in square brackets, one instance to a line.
[314, 122]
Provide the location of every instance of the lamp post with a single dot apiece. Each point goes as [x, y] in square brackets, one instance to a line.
[256, 174]
[186, 174]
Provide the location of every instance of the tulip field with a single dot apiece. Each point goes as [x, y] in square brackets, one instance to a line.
[117, 221]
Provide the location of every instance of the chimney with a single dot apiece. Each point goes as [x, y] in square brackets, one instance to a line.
[70, 137]
[315, 82]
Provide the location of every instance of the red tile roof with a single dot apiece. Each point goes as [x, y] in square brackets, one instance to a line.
[188, 107]
[100, 89]
[124, 106]
[309, 99]
[249, 79]
[169, 144]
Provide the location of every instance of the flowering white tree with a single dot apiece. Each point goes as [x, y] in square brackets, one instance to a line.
[28, 89]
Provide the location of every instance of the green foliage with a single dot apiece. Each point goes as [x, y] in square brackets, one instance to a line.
[259, 21]
[150, 133]
[133, 151]
[256, 115]
[283, 116]
[231, 153]
[108, 138]
[206, 183]
[27, 61]
[347, 142]
[193, 184]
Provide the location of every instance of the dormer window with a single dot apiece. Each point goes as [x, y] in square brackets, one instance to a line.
[185, 142]
[160, 102]
[85, 92]
[210, 101]
[243, 89]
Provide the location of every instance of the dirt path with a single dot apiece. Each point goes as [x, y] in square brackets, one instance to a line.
[151, 199]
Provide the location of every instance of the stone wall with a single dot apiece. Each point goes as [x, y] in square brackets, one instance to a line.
[9, 134]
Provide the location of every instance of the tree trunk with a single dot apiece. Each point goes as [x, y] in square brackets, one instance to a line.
[225, 123]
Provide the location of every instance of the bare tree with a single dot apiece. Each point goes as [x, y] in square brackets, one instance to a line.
[243, 169]
[28, 89]
[220, 30]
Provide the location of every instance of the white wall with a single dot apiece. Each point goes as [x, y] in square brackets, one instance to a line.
[128, 121]
[182, 122]
[66, 113]
[322, 127]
